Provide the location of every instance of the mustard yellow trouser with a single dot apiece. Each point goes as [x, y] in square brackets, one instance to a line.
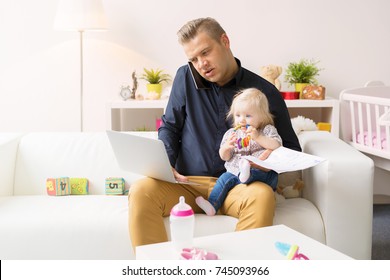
[151, 200]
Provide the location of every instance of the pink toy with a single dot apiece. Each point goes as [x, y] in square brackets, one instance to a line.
[290, 251]
[198, 254]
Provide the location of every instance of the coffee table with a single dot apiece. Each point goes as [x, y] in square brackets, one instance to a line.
[253, 244]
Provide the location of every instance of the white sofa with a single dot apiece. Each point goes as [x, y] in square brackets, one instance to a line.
[336, 208]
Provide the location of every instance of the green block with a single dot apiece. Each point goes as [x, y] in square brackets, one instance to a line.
[79, 186]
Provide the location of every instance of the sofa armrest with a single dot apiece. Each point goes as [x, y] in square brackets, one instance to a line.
[8, 150]
[342, 190]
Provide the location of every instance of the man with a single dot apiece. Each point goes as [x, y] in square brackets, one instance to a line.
[192, 130]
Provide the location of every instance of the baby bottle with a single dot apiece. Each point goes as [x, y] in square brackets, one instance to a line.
[182, 225]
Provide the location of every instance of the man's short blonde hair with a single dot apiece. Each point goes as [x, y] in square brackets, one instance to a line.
[193, 27]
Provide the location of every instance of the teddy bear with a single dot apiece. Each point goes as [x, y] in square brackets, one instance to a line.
[271, 74]
[292, 191]
[290, 185]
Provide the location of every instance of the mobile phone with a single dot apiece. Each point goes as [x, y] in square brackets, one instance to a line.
[199, 81]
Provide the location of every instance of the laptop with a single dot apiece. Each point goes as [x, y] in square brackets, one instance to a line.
[142, 155]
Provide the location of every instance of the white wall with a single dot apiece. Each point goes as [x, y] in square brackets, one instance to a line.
[39, 67]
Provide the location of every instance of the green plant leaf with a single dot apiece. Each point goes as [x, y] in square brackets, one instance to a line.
[303, 71]
[155, 76]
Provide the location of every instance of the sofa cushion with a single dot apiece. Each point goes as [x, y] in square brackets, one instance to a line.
[294, 213]
[64, 227]
[301, 215]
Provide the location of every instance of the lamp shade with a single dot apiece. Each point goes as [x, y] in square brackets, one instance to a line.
[80, 15]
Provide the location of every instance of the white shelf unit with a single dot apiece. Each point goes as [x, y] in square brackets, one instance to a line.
[134, 114]
[327, 110]
[138, 114]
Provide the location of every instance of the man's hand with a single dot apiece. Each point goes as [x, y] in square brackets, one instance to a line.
[178, 176]
[263, 156]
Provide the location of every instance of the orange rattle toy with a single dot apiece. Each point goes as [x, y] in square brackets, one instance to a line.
[242, 142]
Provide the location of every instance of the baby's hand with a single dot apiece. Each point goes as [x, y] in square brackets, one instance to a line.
[227, 148]
[230, 143]
[252, 132]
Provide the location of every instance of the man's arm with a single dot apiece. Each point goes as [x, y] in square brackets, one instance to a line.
[282, 121]
[174, 117]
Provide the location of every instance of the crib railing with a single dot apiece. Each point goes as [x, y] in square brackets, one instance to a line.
[369, 123]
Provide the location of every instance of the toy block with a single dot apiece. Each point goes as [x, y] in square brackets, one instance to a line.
[79, 186]
[324, 126]
[115, 185]
[58, 186]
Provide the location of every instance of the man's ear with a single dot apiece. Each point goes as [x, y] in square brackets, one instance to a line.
[225, 40]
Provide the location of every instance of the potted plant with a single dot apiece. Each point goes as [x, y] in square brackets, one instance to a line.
[155, 78]
[302, 73]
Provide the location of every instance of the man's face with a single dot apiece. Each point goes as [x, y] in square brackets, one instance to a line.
[210, 58]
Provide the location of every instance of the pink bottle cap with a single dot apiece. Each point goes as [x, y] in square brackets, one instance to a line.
[182, 209]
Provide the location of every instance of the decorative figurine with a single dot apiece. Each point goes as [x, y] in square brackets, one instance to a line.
[135, 85]
[128, 93]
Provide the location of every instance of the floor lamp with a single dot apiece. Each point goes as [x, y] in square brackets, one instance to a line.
[80, 15]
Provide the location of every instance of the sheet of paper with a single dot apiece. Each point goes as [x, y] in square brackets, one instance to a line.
[284, 160]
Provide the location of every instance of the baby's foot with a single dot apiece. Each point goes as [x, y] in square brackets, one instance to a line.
[205, 205]
[245, 169]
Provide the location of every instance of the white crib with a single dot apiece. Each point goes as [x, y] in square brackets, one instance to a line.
[365, 121]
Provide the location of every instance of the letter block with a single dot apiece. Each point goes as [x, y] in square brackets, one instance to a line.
[115, 185]
[58, 186]
[79, 186]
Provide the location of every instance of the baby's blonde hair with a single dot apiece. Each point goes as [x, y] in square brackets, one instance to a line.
[254, 98]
